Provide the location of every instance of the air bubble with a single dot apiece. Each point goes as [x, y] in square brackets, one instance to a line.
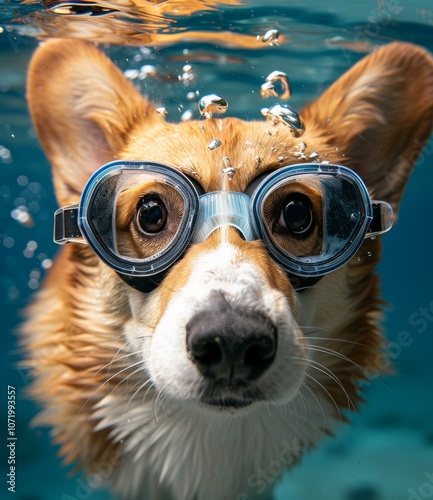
[229, 171]
[215, 143]
[22, 180]
[187, 75]
[22, 215]
[299, 155]
[32, 245]
[270, 37]
[33, 284]
[315, 156]
[8, 242]
[268, 90]
[46, 263]
[34, 187]
[281, 113]
[35, 273]
[5, 155]
[283, 80]
[227, 162]
[228, 168]
[161, 111]
[131, 74]
[187, 115]
[210, 104]
[146, 71]
[146, 52]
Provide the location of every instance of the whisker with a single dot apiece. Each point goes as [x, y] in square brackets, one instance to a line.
[314, 395]
[351, 404]
[115, 358]
[108, 380]
[304, 405]
[327, 392]
[317, 399]
[141, 383]
[336, 339]
[323, 369]
[339, 355]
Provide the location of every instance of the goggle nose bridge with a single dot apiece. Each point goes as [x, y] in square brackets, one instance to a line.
[220, 209]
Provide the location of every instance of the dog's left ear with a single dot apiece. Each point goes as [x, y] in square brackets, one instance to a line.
[380, 115]
[84, 111]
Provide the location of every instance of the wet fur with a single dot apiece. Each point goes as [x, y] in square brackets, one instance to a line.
[86, 329]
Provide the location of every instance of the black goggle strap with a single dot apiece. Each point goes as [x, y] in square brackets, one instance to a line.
[145, 284]
[379, 224]
[66, 227]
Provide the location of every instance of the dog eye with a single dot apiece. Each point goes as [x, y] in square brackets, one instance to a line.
[297, 214]
[151, 215]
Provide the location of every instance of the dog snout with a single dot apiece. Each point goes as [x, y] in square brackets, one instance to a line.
[231, 345]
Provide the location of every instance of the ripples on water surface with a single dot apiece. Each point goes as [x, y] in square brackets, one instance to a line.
[175, 52]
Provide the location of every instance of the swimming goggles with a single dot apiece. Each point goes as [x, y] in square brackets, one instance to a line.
[140, 218]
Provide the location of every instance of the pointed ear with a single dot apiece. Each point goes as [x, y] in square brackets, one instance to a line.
[83, 109]
[380, 115]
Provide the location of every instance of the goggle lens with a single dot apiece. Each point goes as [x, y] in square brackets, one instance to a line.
[138, 217]
[312, 221]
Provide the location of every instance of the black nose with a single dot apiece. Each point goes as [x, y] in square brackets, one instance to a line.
[230, 344]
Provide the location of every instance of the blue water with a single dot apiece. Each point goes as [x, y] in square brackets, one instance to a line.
[388, 450]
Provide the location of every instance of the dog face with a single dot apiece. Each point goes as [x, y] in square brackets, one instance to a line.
[225, 333]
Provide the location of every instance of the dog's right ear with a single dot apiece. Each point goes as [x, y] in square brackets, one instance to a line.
[83, 109]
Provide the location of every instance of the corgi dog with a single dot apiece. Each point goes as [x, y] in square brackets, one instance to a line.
[215, 310]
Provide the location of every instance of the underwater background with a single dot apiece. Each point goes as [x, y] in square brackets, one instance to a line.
[387, 451]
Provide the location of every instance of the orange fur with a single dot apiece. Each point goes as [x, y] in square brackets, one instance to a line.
[375, 119]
